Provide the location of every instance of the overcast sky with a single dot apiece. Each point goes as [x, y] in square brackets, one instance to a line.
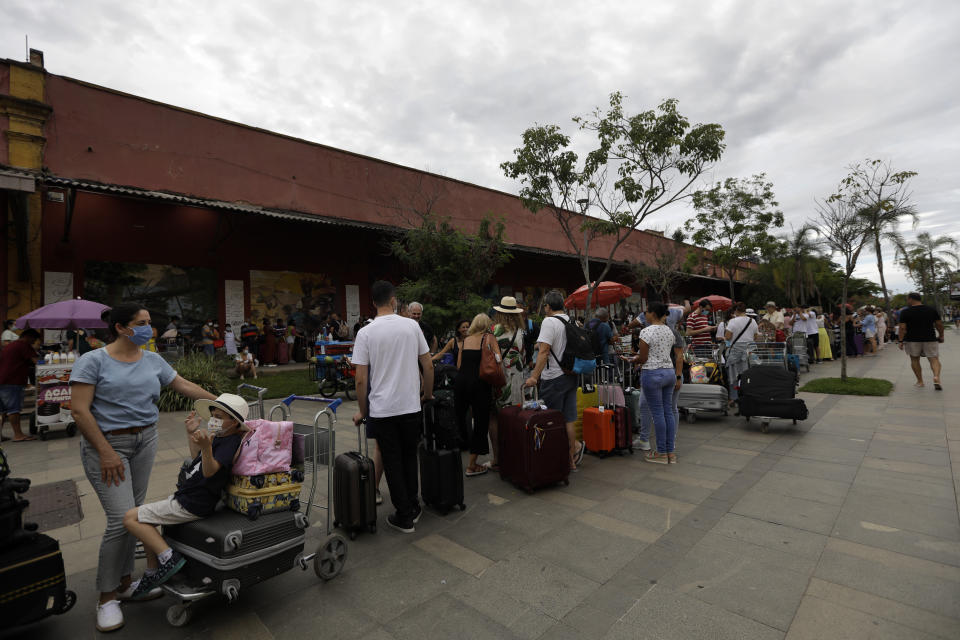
[802, 88]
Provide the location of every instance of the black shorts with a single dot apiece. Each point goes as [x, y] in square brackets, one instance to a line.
[813, 339]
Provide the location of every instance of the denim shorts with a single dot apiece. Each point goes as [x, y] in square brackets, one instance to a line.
[11, 398]
[560, 394]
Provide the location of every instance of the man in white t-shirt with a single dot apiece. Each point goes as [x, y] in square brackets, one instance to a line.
[385, 354]
[740, 333]
[773, 315]
[558, 390]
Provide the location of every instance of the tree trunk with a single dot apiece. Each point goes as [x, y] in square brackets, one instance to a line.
[843, 330]
[883, 280]
[732, 295]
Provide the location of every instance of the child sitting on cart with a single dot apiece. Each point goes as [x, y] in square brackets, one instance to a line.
[198, 489]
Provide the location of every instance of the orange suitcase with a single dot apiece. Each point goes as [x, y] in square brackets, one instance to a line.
[599, 432]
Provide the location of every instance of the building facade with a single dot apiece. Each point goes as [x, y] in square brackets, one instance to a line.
[111, 196]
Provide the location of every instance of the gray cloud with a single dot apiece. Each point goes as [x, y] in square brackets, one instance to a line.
[802, 88]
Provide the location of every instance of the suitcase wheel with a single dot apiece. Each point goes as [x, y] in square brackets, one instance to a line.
[764, 426]
[330, 558]
[33, 429]
[43, 435]
[566, 482]
[296, 475]
[253, 511]
[69, 599]
[794, 421]
[179, 615]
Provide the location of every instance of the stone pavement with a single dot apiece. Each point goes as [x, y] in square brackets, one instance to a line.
[845, 526]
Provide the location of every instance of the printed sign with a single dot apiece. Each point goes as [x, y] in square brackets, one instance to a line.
[54, 394]
[49, 374]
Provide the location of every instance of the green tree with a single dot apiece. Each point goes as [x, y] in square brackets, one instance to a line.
[641, 164]
[448, 267]
[845, 232]
[882, 196]
[665, 269]
[734, 219]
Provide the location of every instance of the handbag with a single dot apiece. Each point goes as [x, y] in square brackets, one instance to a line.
[491, 369]
[268, 448]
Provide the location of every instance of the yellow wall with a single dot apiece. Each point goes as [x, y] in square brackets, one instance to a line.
[27, 115]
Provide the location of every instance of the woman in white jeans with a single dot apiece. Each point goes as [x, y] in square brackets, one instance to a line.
[115, 391]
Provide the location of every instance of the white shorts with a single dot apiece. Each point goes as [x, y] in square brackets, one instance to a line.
[167, 511]
[869, 334]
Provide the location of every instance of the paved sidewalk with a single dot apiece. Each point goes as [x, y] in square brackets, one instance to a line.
[845, 526]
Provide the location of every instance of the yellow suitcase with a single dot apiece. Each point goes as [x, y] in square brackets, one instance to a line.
[587, 396]
[254, 502]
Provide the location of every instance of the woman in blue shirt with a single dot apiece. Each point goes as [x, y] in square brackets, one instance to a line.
[114, 402]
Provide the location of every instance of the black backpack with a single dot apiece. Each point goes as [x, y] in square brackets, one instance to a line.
[578, 356]
[530, 342]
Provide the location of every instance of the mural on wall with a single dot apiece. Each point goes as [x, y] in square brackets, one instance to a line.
[166, 290]
[305, 298]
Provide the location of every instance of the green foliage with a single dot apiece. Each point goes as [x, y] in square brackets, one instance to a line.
[641, 164]
[200, 369]
[850, 386]
[770, 281]
[448, 267]
[930, 262]
[734, 219]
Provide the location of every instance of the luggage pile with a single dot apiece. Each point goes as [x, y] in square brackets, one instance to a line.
[768, 392]
[263, 479]
[705, 389]
[32, 580]
[607, 427]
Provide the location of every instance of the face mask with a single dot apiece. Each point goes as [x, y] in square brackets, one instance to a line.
[141, 335]
[214, 425]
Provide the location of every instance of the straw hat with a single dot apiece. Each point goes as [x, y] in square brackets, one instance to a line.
[508, 304]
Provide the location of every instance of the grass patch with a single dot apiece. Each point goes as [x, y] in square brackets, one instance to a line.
[282, 383]
[852, 387]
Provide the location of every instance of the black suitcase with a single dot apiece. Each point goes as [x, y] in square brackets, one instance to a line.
[768, 381]
[441, 466]
[785, 408]
[441, 420]
[354, 491]
[227, 551]
[32, 581]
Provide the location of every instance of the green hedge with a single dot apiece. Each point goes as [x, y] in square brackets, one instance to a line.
[200, 369]
[852, 386]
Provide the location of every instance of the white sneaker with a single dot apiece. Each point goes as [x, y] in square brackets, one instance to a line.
[643, 445]
[109, 616]
[379, 497]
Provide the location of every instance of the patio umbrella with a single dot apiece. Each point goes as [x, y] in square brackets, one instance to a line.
[605, 293]
[719, 302]
[68, 314]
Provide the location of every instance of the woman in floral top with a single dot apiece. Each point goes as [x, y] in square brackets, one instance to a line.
[509, 332]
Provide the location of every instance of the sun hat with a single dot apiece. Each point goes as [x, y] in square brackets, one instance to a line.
[232, 404]
[771, 303]
[751, 312]
[508, 304]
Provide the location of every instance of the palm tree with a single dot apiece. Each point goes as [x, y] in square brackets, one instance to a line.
[927, 257]
[801, 254]
[884, 219]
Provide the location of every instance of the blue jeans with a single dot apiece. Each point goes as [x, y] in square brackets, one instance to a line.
[646, 418]
[137, 450]
[658, 387]
[208, 349]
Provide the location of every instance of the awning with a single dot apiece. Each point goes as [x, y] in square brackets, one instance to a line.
[16, 180]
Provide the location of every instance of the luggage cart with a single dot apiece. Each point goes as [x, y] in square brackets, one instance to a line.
[245, 391]
[711, 396]
[331, 554]
[773, 353]
[798, 347]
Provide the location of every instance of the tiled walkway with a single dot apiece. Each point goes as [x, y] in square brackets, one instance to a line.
[845, 526]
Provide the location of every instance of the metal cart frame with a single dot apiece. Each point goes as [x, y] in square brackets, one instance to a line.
[331, 554]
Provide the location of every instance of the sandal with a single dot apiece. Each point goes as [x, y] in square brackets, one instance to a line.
[936, 384]
[477, 471]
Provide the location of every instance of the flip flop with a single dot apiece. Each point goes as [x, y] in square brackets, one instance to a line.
[25, 439]
[470, 474]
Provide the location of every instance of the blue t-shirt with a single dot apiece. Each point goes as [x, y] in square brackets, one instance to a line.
[869, 322]
[125, 393]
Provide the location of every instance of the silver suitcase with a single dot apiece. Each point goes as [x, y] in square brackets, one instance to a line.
[696, 398]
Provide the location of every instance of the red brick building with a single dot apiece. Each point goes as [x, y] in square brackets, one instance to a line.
[92, 178]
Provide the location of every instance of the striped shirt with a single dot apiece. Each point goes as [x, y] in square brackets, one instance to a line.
[697, 321]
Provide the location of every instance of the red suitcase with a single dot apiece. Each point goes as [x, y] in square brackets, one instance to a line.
[534, 449]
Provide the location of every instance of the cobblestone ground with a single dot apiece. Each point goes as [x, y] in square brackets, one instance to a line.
[843, 526]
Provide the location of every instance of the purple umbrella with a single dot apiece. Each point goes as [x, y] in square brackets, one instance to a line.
[69, 314]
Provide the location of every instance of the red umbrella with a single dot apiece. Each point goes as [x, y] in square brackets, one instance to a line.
[719, 302]
[605, 293]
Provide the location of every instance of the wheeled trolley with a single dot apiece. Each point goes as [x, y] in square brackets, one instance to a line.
[228, 552]
[798, 348]
[706, 390]
[768, 353]
[254, 397]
